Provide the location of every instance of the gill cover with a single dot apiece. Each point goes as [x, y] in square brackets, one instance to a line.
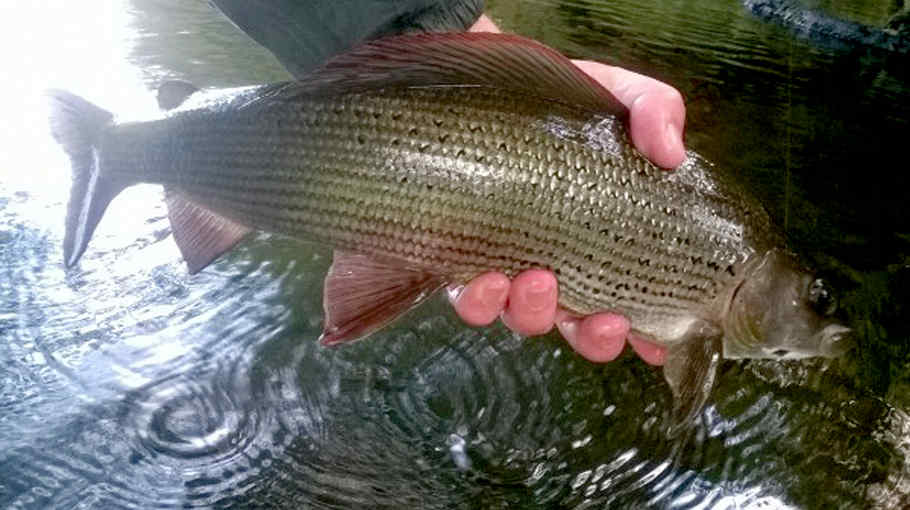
[780, 311]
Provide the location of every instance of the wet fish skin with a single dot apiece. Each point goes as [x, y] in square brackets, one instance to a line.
[461, 179]
[428, 160]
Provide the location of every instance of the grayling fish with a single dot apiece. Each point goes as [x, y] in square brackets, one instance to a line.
[426, 160]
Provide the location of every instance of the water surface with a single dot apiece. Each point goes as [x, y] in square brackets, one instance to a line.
[127, 383]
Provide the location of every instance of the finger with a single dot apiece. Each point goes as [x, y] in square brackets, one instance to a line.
[484, 24]
[482, 300]
[599, 338]
[531, 309]
[657, 113]
[650, 352]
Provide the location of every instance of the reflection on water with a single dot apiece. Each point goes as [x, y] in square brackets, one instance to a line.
[126, 382]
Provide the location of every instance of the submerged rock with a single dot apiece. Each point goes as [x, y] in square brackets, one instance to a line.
[825, 28]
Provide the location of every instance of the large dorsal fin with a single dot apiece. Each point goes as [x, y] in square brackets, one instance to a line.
[455, 59]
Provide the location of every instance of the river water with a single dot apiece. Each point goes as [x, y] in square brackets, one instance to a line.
[127, 383]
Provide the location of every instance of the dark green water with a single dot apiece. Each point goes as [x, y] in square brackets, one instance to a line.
[126, 383]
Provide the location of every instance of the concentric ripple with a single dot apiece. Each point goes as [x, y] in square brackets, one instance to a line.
[186, 419]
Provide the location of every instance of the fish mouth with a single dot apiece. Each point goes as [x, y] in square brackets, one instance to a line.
[836, 340]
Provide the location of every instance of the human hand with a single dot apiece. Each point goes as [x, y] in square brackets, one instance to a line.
[528, 303]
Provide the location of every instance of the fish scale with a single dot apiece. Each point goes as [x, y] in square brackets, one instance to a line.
[367, 172]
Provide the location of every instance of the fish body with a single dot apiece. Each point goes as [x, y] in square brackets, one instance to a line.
[424, 164]
[462, 180]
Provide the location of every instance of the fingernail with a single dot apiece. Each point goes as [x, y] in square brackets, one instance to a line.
[494, 294]
[568, 328]
[672, 135]
[539, 296]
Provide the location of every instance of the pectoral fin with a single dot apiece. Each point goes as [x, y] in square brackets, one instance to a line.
[201, 235]
[363, 293]
[690, 368]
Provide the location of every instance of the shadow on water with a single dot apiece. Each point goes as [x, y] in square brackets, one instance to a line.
[128, 383]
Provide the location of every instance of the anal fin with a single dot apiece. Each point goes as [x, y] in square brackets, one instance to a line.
[201, 235]
[363, 294]
[690, 370]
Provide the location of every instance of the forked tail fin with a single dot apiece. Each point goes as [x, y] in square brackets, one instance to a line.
[77, 125]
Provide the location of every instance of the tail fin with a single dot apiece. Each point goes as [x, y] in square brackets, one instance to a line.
[77, 125]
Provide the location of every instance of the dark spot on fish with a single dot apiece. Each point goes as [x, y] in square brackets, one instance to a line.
[780, 353]
[589, 256]
[361, 139]
[395, 142]
[503, 146]
[474, 127]
[460, 153]
[437, 122]
[404, 180]
[423, 147]
[396, 116]
[479, 158]
[443, 137]
[377, 114]
[412, 132]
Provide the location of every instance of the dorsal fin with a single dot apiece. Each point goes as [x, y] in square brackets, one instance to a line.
[455, 59]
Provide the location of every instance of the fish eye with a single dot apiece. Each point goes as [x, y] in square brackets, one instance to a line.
[821, 298]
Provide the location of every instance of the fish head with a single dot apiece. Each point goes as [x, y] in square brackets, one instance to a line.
[780, 311]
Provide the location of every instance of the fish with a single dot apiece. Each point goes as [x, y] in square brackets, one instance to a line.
[425, 160]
